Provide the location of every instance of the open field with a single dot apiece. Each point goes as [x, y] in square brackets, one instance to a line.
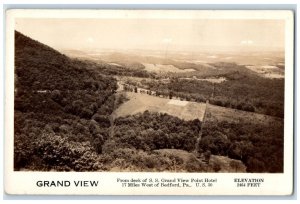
[268, 71]
[218, 113]
[139, 103]
[115, 64]
[164, 68]
[217, 80]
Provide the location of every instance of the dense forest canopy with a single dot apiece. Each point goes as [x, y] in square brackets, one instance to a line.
[56, 95]
[258, 146]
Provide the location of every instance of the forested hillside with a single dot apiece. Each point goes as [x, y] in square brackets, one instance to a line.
[255, 139]
[61, 108]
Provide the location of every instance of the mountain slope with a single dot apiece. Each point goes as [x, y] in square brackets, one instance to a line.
[57, 101]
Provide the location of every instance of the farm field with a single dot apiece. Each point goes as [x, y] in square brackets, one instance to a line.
[138, 103]
[268, 71]
[218, 113]
[164, 68]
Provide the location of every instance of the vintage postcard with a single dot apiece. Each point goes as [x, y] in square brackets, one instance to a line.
[149, 102]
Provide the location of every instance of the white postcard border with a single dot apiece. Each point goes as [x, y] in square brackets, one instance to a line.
[224, 183]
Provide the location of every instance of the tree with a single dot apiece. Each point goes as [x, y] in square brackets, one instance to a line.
[98, 144]
[170, 94]
[255, 165]
[56, 96]
[207, 155]
[86, 113]
[234, 164]
[241, 150]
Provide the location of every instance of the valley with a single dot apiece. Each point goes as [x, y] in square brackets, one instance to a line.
[147, 110]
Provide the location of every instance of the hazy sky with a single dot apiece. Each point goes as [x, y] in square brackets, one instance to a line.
[155, 33]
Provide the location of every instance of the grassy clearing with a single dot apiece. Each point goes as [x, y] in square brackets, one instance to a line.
[139, 103]
[218, 113]
[164, 68]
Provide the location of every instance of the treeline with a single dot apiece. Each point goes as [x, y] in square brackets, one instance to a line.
[150, 131]
[255, 94]
[259, 146]
[183, 89]
[61, 107]
[241, 91]
[132, 69]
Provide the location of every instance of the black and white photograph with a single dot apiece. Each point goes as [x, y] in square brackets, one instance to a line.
[162, 94]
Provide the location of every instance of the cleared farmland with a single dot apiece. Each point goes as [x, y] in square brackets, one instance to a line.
[139, 103]
[164, 68]
[218, 113]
